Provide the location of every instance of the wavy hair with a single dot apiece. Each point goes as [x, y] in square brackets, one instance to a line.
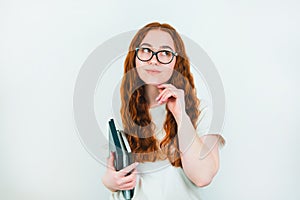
[136, 118]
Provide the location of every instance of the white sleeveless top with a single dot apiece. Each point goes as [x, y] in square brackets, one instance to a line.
[160, 180]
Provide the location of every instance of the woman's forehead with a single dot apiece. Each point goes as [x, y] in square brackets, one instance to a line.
[158, 39]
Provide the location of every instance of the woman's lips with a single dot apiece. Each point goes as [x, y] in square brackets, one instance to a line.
[152, 71]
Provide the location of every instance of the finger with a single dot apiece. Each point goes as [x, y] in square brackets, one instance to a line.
[165, 85]
[162, 93]
[131, 177]
[165, 97]
[128, 186]
[128, 169]
[161, 86]
[160, 90]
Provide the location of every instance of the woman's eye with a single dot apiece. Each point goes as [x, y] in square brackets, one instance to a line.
[146, 50]
[166, 53]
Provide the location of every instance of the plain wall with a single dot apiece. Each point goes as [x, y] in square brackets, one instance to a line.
[254, 45]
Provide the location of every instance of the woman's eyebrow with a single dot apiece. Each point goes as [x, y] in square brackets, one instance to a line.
[161, 47]
[166, 47]
[146, 44]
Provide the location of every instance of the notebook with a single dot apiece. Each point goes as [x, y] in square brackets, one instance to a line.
[119, 145]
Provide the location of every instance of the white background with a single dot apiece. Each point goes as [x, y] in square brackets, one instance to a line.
[254, 45]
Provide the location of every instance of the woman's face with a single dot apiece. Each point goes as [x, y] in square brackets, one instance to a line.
[153, 71]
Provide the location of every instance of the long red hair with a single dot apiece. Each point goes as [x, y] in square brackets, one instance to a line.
[136, 119]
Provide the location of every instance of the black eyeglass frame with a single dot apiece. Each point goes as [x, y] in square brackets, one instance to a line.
[174, 54]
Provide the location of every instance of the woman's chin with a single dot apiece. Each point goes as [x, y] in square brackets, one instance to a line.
[153, 82]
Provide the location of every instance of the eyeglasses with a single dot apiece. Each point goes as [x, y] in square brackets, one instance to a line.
[163, 56]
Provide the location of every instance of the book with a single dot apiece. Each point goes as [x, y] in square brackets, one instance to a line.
[119, 145]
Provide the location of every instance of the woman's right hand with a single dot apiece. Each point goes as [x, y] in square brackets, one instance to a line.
[117, 180]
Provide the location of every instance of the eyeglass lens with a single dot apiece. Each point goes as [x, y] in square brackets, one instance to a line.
[163, 56]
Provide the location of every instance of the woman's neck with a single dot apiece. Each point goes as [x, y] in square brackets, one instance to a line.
[151, 93]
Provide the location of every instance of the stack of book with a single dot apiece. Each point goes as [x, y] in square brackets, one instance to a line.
[120, 147]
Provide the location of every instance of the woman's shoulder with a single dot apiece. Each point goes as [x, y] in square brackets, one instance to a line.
[204, 121]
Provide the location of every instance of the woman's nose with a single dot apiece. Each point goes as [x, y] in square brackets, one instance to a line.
[153, 60]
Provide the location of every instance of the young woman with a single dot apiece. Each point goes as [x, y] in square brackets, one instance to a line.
[157, 82]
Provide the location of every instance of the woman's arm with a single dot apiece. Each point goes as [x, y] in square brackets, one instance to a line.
[200, 170]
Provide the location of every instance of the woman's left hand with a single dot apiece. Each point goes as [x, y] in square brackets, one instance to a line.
[174, 98]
